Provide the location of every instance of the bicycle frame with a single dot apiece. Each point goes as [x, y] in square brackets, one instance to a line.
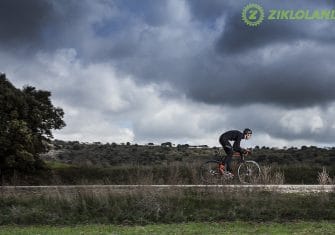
[235, 154]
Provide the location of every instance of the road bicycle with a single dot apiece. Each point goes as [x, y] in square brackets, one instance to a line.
[245, 171]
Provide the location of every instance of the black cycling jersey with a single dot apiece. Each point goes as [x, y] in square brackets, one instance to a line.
[235, 136]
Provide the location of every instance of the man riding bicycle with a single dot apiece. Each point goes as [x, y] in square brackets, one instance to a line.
[235, 136]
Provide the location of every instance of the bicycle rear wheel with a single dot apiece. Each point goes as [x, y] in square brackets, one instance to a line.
[210, 173]
[249, 172]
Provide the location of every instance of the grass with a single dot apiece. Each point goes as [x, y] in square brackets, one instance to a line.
[130, 174]
[174, 173]
[299, 227]
[165, 206]
[57, 165]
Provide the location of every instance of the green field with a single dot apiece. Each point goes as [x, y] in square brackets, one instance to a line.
[187, 228]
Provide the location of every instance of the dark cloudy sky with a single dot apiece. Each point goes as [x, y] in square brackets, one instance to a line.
[175, 70]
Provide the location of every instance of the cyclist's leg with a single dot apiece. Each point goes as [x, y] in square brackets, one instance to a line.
[229, 151]
[228, 158]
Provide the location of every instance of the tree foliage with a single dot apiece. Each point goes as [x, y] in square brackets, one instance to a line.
[27, 117]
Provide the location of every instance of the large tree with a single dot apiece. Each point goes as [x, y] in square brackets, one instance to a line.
[27, 117]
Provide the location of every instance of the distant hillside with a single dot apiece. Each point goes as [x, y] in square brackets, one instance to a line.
[106, 155]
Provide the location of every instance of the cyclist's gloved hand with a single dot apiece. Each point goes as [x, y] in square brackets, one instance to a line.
[246, 151]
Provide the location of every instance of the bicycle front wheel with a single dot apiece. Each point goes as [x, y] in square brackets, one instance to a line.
[249, 172]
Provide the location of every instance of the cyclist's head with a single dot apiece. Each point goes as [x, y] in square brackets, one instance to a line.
[247, 133]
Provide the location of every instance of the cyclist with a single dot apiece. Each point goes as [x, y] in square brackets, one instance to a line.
[235, 136]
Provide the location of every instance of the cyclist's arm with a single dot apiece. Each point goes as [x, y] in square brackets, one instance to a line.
[237, 146]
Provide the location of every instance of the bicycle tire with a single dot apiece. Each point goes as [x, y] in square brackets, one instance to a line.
[249, 172]
[209, 172]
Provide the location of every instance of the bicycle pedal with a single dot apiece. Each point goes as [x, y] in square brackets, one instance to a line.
[229, 174]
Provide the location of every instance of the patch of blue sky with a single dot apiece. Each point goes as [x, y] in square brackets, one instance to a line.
[109, 27]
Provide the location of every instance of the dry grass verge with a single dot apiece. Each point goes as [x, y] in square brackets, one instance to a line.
[166, 206]
[324, 178]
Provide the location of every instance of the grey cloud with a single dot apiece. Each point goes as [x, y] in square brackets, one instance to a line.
[233, 65]
[22, 21]
[152, 12]
[304, 79]
[236, 37]
[269, 120]
[209, 10]
[32, 25]
[231, 71]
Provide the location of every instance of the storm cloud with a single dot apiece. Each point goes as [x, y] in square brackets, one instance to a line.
[142, 67]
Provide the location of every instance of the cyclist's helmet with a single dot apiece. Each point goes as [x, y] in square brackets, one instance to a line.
[247, 131]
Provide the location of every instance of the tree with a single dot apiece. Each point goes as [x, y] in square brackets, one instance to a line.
[27, 117]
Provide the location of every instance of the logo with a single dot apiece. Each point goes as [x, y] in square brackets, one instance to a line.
[253, 14]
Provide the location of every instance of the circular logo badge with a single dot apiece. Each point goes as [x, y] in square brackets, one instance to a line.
[253, 14]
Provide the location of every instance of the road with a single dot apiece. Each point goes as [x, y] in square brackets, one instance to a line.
[17, 190]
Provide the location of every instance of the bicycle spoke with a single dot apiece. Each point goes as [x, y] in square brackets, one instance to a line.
[249, 172]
